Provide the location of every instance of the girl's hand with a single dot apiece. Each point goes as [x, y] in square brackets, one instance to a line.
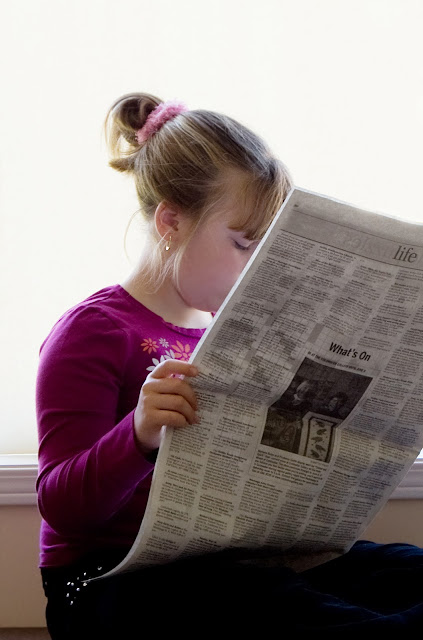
[165, 399]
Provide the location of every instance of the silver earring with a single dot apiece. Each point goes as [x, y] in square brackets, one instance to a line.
[168, 241]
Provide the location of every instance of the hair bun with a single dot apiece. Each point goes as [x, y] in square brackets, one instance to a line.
[124, 118]
[163, 113]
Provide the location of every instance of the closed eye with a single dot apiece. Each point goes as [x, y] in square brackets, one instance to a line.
[242, 247]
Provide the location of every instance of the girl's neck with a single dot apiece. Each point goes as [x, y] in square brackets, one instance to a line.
[166, 302]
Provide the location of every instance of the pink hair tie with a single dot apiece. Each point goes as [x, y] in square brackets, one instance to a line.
[162, 113]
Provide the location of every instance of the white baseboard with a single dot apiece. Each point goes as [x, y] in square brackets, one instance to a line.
[18, 474]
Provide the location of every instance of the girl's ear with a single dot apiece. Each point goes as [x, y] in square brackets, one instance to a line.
[167, 218]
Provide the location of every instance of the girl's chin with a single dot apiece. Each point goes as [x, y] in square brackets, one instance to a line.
[208, 306]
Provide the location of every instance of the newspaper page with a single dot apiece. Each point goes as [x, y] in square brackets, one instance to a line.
[310, 394]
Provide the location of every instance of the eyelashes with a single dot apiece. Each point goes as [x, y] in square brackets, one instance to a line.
[241, 247]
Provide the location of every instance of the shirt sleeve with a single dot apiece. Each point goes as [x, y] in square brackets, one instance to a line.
[89, 463]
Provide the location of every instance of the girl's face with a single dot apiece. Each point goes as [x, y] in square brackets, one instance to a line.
[212, 262]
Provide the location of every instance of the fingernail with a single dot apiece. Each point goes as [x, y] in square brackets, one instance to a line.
[197, 419]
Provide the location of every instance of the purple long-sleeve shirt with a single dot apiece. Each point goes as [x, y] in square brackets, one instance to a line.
[93, 481]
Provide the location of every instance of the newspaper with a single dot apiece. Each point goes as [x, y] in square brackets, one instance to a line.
[310, 394]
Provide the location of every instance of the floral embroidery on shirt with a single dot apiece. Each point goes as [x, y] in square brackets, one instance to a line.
[168, 356]
[156, 362]
[149, 345]
[181, 352]
[163, 342]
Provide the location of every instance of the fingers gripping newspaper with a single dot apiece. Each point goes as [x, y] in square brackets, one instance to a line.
[310, 394]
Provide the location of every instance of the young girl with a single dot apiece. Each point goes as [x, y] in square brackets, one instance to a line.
[208, 188]
[115, 369]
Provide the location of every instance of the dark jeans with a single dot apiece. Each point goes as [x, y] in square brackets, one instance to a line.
[178, 596]
[372, 587]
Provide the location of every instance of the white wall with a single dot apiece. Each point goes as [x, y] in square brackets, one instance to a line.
[335, 86]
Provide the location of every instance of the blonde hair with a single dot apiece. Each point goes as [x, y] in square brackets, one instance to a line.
[189, 162]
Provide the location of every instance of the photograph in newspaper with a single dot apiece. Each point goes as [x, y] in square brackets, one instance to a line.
[309, 394]
[303, 419]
